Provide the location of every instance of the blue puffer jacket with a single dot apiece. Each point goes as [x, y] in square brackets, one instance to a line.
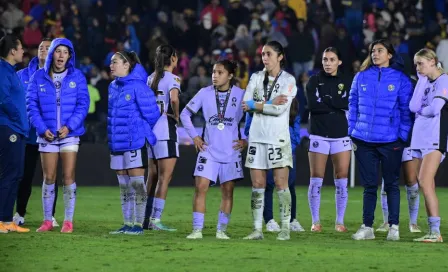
[379, 105]
[132, 112]
[41, 96]
[25, 75]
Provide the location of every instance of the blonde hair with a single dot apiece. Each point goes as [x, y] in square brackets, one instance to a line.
[429, 54]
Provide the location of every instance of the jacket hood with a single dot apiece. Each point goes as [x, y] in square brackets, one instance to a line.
[33, 65]
[54, 44]
[138, 73]
[397, 63]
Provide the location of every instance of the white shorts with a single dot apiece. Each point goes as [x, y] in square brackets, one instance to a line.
[420, 153]
[331, 146]
[268, 156]
[129, 159]
[59, 148]
[164, 150]
[213, 170]
[407, 155]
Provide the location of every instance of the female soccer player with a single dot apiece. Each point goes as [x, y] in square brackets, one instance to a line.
[294, 131]
[220, 145]
[132, 115]
[379, 124]
[269, 140]
[57, 104]
[430, 132]
[164, 154]
[327, 96]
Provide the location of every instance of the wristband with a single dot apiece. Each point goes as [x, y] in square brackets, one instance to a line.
[251, 104]
[268, 102]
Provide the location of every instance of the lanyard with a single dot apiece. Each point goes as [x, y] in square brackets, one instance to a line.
[222, 113]
[267, 95]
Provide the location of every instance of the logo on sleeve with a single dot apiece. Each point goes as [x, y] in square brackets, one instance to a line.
[72, 84]
[177, 79]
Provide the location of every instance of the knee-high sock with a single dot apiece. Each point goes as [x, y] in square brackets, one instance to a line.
[125, 197]
[257, 203]
[48, 194]
[413, 196]
[69, 201]
[314, 198]
[138, 184]
[341, 199]
[284, 199]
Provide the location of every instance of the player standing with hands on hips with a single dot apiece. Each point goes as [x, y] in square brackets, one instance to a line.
[269, 139]
[219, 147]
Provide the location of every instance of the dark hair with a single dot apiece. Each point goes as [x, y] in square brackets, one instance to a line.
[47, 40]
[333, 50]
[293, 111]
[230, 67]
[277, 47]
[163, 58]
[368, 61]
[129, 57]
[7, 43]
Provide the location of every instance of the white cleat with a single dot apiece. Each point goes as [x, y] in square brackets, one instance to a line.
[54, 222]
[414, 228]
[393, 234]
[283, 235]
[364, 233]
[19, 220]
[430, 238]
[383, 228]
[196, 234]
[272, 226]
[296, 227]
[255, 235]
[222, 235]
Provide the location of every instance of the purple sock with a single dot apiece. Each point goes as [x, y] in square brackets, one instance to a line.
[341, 199]
[157, 210]
[384, 206]
[413, 197]
[198, 221]
[434, 224]
[314, 198]
[69, 201]
[123, 181]
[223, 221]
[47, 200]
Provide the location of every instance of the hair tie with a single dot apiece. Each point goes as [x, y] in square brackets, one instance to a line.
[123, 56]
[439, 65]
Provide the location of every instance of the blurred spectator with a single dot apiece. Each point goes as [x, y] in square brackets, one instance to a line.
[237, 14]
[32, 36]
[211, 14]
[12, 17]
[301, 50]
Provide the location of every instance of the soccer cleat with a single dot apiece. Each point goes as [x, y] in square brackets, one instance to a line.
[46, 226]
[121, 230]
[135, 230]
[383, 228]
[316, 227]
[156, 224]
[19, 220]
[431, 237]
[393, 234]
[12, 227]
[340, 228]
[364, 233]
[197, 234]
[283, 235]
[221, 235]
[272, 226]
[414, 228]
[255, 235]
[54, 222]
[67, 227]
[295, 226]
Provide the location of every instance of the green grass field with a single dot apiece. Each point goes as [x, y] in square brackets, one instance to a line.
[91, 248]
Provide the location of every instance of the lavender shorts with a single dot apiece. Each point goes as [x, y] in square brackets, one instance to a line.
[407, 155]
[330, 147]
[213, 171]
[58, 148]
[129, 159]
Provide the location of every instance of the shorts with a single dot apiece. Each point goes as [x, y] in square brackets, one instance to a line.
[420, 153]
[407, 155]
[213, 170]
[164, 150]
[330, 147]
[129, 159]
[268, 156]
[59, 148]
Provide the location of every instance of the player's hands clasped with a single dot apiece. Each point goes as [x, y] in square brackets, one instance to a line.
[199, 144]
[48, 135]
[63, 132]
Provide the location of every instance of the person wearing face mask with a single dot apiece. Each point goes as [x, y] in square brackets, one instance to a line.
[430, 133]
[327, 95]
[57, 103]
[132, 115]
[32, 147]
[379, 125]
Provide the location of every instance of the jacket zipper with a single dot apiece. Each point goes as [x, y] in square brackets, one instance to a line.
[374, 101]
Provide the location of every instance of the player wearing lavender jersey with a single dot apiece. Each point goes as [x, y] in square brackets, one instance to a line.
[132, 115]
[327, 96]
[269, 140]
[430, 132]
[219, 147]
[57, 104]
[163, 156]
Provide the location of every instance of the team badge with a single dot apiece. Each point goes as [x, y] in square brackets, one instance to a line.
[315, 144]
[391, 87]
[340, 87]
[251, 159]
[13, 138]
[177, 79]
[128, 97]
[72, 84]
[200, 168]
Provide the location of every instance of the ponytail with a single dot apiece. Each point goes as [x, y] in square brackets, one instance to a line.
[162, 59]
[129, 57]
[293, 111]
